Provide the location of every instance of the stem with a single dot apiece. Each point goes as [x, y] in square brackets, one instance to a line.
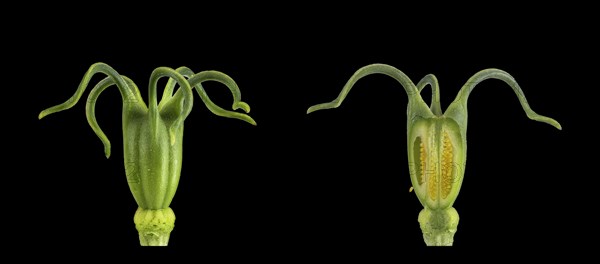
[196, 82]
[432, 81]
[438, 226]
[154, 226]
[129, 93]
[153, 103]
[458, 108]
[398, 75]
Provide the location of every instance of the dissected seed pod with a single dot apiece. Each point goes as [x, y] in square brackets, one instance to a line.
[437, 146]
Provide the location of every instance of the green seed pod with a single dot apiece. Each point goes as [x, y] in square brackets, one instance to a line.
[153, 137]
[437, 146]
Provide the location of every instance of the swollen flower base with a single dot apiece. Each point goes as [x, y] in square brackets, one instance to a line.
[153, 136]
[154, 226]
[438, 226]
[437, 144]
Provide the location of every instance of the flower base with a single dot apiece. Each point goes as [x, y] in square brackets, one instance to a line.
[154, 226]
[438, 226]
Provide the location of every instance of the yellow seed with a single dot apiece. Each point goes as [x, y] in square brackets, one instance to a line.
[419, 152]
[423, 159]
[411, 189]
[447, 166]
[432, 182]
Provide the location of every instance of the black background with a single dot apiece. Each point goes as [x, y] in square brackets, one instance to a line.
[331, 185]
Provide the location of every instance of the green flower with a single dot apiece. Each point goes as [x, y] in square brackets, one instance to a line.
[153, 136]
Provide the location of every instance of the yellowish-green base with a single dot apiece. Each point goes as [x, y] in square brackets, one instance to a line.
[154, 226]
[438, 226]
